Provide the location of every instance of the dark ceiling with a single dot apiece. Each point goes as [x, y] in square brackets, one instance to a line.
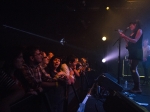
[81, 22]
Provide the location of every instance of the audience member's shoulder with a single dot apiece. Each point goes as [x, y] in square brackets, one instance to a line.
[2, 73]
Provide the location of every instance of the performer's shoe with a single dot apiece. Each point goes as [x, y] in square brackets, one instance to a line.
[138, 91]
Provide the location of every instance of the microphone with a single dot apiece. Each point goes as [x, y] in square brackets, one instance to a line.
[122, 30]
[126, 29]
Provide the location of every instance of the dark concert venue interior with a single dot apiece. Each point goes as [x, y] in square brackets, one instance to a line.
[100, 78]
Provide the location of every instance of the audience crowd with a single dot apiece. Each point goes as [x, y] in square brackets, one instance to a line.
[28, 71]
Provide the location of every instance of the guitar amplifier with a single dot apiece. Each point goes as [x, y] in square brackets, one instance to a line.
[126, 69]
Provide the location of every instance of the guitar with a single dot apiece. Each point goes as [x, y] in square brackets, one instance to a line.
[126, 41]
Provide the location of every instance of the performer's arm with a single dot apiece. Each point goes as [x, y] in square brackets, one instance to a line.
[137, 37]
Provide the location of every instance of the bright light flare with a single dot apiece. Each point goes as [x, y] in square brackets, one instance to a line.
[113, 54]
[104, 60]
[107, 8]
[104, 38]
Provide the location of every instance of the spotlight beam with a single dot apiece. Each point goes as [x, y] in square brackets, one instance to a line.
[6, 26]
[43, 37]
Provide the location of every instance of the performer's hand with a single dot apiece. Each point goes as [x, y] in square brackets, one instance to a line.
[122, 35]
[61, 73]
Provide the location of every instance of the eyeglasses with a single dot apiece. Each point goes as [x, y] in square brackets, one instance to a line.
[38, 54]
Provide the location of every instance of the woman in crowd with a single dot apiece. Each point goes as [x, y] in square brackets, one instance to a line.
[56, 94]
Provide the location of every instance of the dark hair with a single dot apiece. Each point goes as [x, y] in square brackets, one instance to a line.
[137, 23]
[2, 53]
[10, 53]
[50, 65]
[70, 58]
[29, 51]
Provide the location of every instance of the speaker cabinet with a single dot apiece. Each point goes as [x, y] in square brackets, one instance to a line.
[109, 82]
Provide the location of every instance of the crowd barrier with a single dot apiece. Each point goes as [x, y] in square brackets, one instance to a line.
[40, 103]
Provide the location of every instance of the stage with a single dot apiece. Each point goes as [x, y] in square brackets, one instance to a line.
[124, 101]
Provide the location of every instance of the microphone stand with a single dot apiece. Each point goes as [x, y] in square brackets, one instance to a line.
[119, 56]
[119, 60]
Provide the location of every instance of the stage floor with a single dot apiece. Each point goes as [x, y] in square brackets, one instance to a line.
[144, 97]
[95, 104]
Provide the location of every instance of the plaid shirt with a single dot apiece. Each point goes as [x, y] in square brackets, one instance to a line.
[35, 75]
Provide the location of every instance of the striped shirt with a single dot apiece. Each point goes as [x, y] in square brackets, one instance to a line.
[6, 82]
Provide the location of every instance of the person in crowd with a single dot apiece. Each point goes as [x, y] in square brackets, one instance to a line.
[85, 65]
[79, 67]
[35, 75]
[56, 94]
[45, 60]
[70, 68]
[50, 55]
[146, 59]
[10, 87]
[134, 46]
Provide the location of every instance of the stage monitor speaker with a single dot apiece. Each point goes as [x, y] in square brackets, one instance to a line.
[121, 103]
[109, 82]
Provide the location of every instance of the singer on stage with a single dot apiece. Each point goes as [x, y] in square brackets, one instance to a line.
[134, 46]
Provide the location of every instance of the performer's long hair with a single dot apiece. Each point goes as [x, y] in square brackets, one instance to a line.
[138, 25]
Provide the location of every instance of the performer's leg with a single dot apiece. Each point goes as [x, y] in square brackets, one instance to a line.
[135, 76]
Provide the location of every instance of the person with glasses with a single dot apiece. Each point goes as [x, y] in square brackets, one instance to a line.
[36, 76]
[45, 60]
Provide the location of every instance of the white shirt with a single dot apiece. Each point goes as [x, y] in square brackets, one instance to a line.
[145, 51]
[67, 71]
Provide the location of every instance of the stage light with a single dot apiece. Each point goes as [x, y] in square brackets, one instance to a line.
[107, 8]
[62, 41]
[104, 38]
[104, 60]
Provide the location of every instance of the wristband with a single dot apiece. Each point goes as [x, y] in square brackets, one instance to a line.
[56, 84]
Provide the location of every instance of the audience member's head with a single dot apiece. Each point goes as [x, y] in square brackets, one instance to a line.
[55, 62]
[72, 61]
[32, 55]
[83, 60]
[145, 41]
[13, 57]
[50, 55]
[45, 60]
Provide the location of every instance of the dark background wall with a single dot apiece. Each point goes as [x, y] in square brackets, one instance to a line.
[81, 22]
